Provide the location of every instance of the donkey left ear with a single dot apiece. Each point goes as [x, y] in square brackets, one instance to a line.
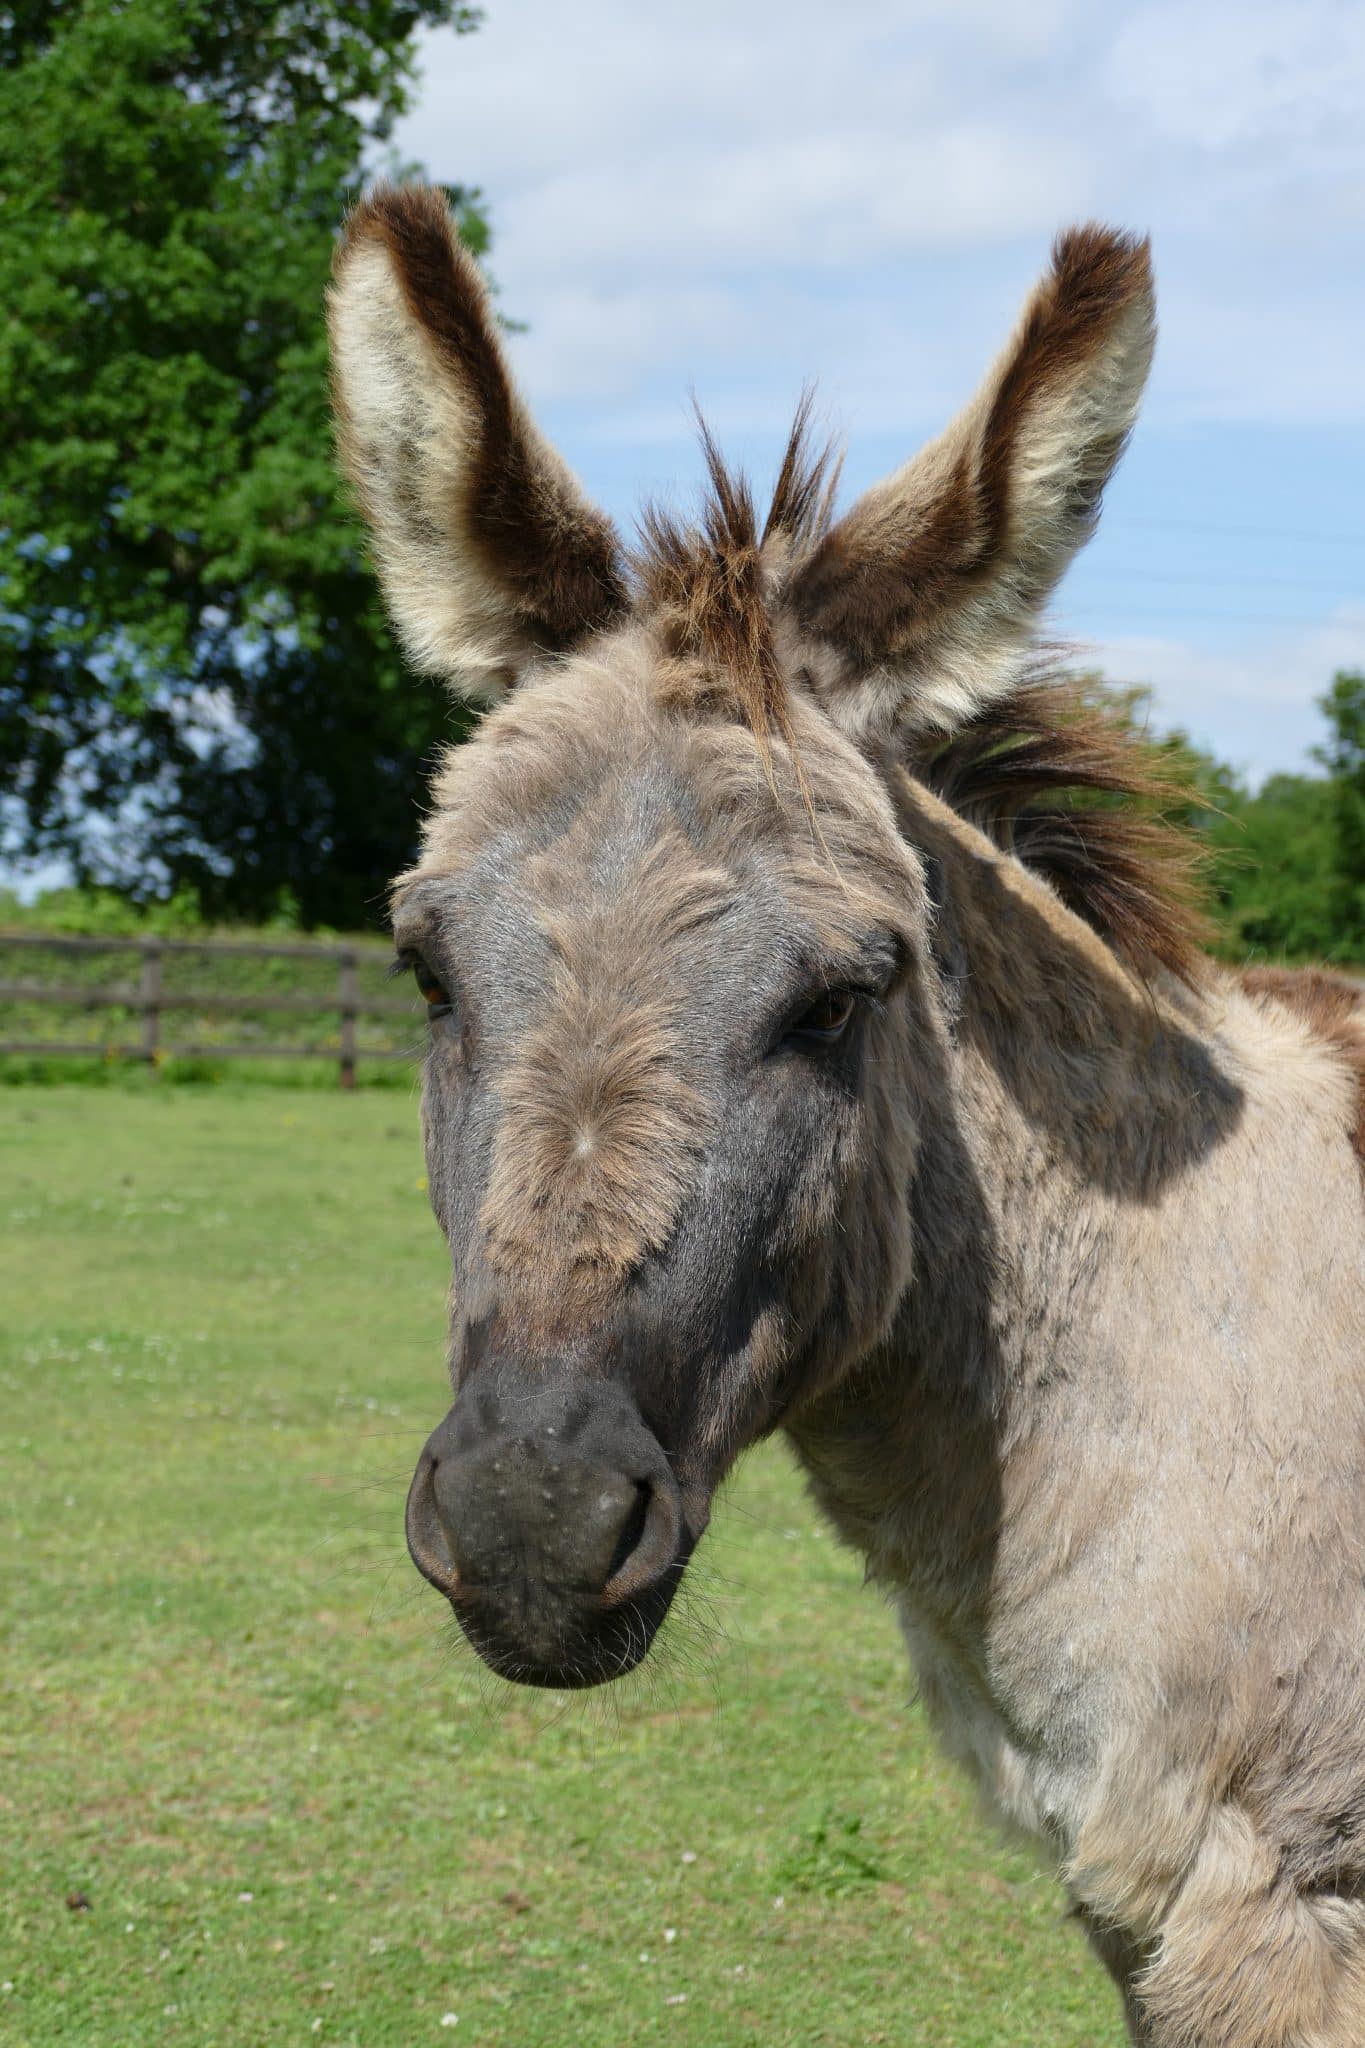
[488, 552]
[924, 596]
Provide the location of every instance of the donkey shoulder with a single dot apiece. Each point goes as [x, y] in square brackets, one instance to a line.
[1333, 1008]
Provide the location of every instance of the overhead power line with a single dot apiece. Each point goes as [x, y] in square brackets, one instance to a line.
[1119, 608]
[1233, 582]
[1317, 539]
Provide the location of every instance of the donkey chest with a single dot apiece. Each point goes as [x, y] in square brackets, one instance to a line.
[1026, 1695]
[1029, 1740]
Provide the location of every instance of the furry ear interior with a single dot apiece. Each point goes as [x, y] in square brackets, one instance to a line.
[488, 552]
[922, 599]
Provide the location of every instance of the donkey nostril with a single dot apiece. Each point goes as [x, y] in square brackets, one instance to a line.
[647, 1543]
[428, 1535]
[633, 1528]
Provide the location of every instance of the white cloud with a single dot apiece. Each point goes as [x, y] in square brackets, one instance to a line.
[663, 178]
[542, 88]
[831, 200]
[582, 334]
[1253, 701]
[1267, 346]
[1244, 76]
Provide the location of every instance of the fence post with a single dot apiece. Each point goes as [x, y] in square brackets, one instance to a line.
[149, 1000]
[348, 995]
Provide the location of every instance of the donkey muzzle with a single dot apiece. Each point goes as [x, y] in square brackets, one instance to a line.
[545, 1510]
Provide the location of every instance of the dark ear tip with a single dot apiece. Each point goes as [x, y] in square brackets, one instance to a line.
[405, 219]
[1109, 266]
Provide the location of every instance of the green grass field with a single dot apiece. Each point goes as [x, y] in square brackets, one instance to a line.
[250, 1790]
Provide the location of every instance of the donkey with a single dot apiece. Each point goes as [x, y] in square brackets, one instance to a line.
[820, 1040]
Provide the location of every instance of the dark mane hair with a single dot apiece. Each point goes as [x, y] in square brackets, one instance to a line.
[1057, 773]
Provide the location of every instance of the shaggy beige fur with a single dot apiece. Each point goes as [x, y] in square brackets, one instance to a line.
[1064, 1304]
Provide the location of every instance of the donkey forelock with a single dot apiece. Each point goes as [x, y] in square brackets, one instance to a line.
[713, 588]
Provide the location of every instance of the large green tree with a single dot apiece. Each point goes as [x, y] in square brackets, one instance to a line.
[196, 684]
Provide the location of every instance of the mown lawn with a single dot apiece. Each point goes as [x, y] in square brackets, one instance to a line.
[251, 1791]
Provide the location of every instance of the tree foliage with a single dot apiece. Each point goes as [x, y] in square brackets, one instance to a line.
[196, 683]
[1342, 754]
[1288, 861]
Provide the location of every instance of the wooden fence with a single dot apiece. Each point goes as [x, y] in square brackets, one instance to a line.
[150, 1000]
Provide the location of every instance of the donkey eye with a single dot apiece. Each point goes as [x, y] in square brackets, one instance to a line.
[431, 991]
[827, 1019]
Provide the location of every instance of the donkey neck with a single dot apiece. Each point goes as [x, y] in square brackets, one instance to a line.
[1055, 1059]
[1057, 1103]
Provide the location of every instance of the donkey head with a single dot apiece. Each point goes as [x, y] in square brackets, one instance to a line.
[673, 940]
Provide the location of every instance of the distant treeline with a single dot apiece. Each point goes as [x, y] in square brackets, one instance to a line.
[1286, 875]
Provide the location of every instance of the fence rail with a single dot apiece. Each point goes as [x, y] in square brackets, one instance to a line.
[150, 1000]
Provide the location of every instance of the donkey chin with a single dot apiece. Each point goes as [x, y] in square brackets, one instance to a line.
[546, 1512]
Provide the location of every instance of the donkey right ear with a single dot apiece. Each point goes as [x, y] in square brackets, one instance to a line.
[488, 552]
[924, 598]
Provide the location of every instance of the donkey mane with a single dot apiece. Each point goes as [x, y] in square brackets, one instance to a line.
[1065, 783]
[1049, 773]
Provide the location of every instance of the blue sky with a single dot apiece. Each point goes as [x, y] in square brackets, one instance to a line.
[740, 197]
